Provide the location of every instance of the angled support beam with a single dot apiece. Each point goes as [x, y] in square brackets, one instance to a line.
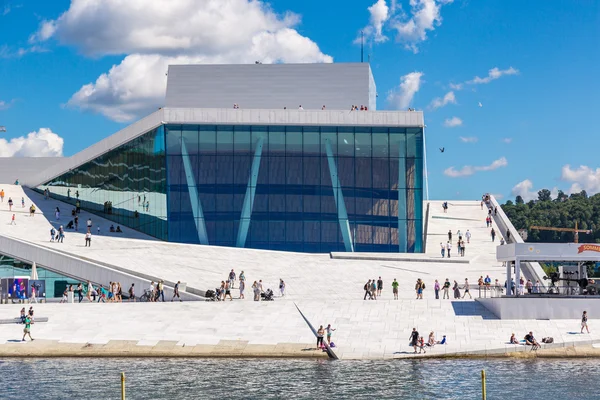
[194, 197]
[339, 199]
[249, 197]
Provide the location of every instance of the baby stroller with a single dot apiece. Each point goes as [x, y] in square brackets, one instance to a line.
[267, 296]
[211, 295]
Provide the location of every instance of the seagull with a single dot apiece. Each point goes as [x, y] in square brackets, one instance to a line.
[442, 149]
[480, 105]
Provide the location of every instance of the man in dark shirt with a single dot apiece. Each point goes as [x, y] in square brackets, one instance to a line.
[414, 339]
[530, 341]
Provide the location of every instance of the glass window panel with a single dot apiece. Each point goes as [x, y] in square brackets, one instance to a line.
[345, 143]
[207, 139]
[293, 141]
[362, 143]
[189, 134]
[293, 170]
[311, 140]
[242, 139]
[329, 137]
[224, 139]
[397, 145]
[276, 140]
[380, 143]
[381, 173]
[173, 133]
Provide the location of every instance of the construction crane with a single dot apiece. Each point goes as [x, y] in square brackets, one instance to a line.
[575, 231]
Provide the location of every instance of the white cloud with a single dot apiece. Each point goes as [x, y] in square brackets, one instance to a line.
[468, 170]
[469, 139]
[5, 105]
[379, 14]
[453, 122]
[425, 16]
[523, 189]
[438, 102]
[507, 140]
[498, 196]
[43, 143]
[456, 86]
[479, 104]
[401, 97]
[155, 34]
[493, 74]
[582, 178]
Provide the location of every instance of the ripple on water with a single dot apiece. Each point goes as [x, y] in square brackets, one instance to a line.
[296, 379]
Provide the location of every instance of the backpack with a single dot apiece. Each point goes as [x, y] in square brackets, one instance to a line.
[548, 340]
[423, 287]
[366, 286]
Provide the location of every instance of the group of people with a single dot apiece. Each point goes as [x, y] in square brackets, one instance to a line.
[27, 319]
[320, 335]
[374, 287]
[418, 342]
[446, 248]
[224, 290]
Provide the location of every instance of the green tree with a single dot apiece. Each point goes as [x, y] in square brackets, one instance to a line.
[519, 200]
[544, 195]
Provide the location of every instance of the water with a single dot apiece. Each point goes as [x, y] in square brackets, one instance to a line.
[297, 379]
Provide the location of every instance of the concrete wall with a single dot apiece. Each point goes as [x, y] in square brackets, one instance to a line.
[271, 86]
[529, 307]
[293, 117]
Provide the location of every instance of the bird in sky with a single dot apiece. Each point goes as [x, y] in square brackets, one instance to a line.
[442, 149]
[480, 105]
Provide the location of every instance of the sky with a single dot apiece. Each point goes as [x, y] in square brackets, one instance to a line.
[510, 89]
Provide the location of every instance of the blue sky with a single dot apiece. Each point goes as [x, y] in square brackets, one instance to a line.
[537, 126]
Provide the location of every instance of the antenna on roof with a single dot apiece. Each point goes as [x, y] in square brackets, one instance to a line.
[362, 45]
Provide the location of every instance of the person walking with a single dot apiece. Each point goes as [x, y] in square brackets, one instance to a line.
[2, 195]
[468, 236]
[456, 290]
[466, 288]
[132, 292]
[446, 287]
[160, 292]
[374, 289]
[443, 249]
[176, 292]
[57, 213]
[80, 291]
[281, 287]
[242, 287]
[584, 324]
[231, 278]
[12, 220]
[448, 248]
[61, 234]
[436, 288]
[379, 286]
[368, 290]
[22, 202]
[414, 339]
[256, 290]
[10, 204]
[88, 239]
[27, 329]
[449, 235]
[395, 285]
[493, 234]
[419, 286]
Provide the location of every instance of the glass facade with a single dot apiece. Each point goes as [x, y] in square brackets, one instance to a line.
[294, 188]
[127, 185]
